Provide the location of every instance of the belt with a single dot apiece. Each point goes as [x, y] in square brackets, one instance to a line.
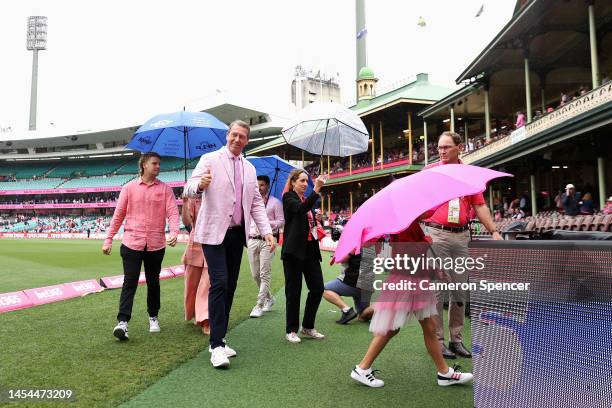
[446, 227]
[256, 237]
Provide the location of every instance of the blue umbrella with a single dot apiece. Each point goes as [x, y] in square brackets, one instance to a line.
[278, 171]
[180, 134]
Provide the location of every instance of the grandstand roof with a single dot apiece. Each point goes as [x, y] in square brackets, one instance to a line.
[418, 91]
[78, 143]
[553, 28]
[457, 96]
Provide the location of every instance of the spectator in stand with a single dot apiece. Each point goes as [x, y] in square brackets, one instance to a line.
[520, 120]
[583, 90]
[564, 99]
[587, 206]
[470, 145]
[557, 200]
[605, 79]
[570, 200]
[608, 208]
[550, 109]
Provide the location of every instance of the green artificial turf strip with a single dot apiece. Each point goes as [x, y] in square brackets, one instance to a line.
[34, 263]
[70, 343]
[271, 372]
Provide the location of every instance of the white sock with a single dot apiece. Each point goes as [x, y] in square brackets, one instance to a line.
[346, 309]
[449, 373]
[361, 371]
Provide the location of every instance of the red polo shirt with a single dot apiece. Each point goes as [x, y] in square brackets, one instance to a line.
[440, 214]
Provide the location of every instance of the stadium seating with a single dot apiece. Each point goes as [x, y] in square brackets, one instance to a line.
[25, 171]
[90, 168]
[171, 176]
[553, 221]
[46, 183]
[98, 181]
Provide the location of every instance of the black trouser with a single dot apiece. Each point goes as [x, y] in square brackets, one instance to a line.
[294, 268]
[132, 261]
[223, 269]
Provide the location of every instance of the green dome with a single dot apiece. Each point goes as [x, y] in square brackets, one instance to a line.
[366, 73]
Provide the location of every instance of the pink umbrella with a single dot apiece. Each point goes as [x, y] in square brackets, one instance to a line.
[398, 205]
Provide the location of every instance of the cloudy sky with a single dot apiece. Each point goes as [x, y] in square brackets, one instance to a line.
[110, 63]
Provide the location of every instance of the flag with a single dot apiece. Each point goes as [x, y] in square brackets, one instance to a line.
[362, 33]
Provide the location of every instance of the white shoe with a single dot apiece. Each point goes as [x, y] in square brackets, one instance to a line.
[257, 311]
[154, 325]
[218, 357]
[293, 337]
[366, 377]
[229, 352]
[121, 331]
[312, 333]
[268, 304]
[454, 376]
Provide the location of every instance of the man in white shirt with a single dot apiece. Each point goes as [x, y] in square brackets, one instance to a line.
[260, 254]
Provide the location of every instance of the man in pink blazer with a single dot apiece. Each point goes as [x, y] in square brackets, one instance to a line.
[227, 184]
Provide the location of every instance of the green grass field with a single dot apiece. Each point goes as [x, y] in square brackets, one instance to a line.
[70, 345]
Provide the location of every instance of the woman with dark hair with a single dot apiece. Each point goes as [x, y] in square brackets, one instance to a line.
[301, 256]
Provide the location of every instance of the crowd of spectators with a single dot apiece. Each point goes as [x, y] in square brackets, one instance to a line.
[54, 224]
[55, 199]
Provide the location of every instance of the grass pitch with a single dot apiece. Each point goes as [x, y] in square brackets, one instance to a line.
[70, 345]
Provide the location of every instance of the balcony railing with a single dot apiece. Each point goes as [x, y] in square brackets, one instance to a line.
[592, 100]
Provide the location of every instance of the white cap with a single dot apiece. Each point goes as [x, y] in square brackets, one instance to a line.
[609, 198]
[569, 186]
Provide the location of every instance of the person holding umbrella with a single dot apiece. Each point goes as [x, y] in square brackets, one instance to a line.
[145, 204]
[227, 184]
[260, 254]
[301, 255]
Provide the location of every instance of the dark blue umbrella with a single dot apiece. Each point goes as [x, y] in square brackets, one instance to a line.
[278, 171]
[180, 134]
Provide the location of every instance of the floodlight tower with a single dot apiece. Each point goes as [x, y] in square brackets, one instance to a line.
[37, 40]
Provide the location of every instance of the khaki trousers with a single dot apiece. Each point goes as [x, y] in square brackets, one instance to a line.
[451, 244]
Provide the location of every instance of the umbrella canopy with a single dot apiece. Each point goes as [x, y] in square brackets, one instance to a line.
[180, 134]
[327, 128]
[397, 206]
[278, 171]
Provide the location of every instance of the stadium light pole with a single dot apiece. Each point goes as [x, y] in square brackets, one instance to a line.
[36, 40]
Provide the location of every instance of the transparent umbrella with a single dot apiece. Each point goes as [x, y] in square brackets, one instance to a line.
[327, 129]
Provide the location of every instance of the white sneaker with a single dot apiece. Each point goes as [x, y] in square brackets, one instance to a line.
[154, 325]
[366, 377]
[121, 331]
[229, 352]
[218, 357]
[293, 337]
[312, 333]
[454, 376]
[257, 311]
[268, 304]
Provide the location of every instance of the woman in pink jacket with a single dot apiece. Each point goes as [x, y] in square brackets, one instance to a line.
[197, 283]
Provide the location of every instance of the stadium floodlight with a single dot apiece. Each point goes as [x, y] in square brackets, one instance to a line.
[36, 40]
[37, 33]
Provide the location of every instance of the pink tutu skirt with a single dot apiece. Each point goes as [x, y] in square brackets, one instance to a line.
[394, 308]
